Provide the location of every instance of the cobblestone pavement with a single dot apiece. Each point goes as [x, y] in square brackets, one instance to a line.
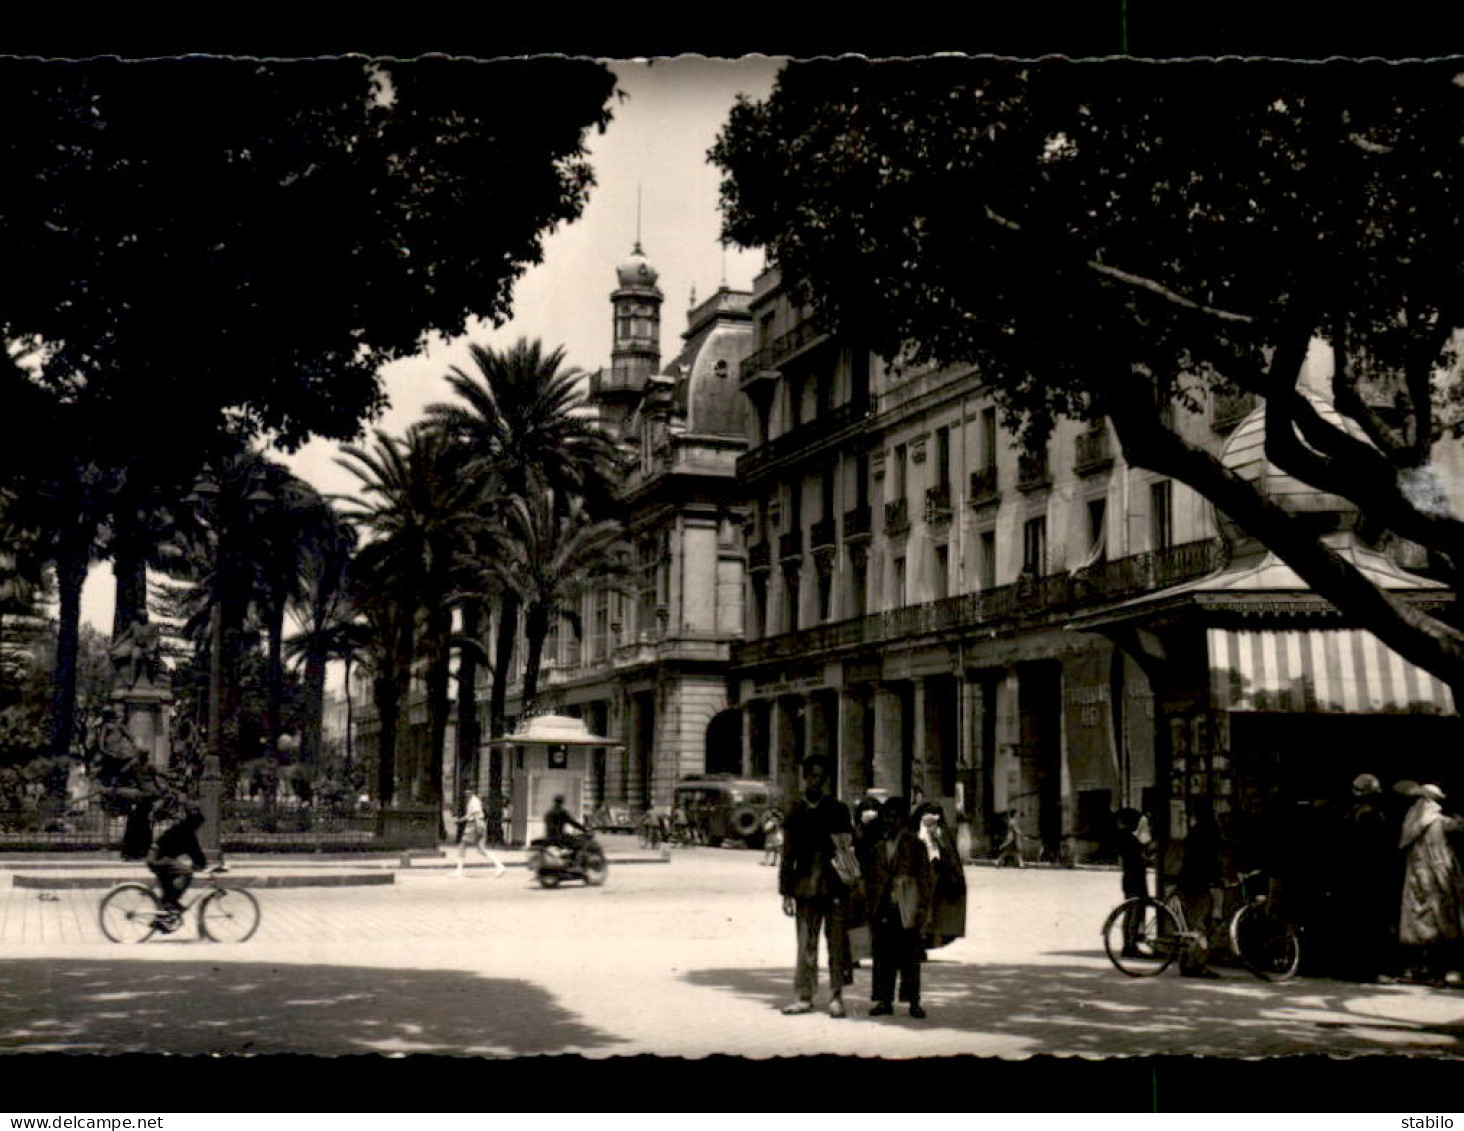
[691, 959]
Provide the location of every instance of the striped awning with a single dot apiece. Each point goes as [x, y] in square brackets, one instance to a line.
[1318, 670]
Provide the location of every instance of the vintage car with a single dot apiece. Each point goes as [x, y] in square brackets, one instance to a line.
[727, 809]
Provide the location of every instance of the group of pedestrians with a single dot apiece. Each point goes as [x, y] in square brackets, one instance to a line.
[1375, 881]
[885, 879]
[1372, 879]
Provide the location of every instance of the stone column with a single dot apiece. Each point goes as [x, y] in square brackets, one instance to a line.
[918, 739]
[888, 754]
[853, 705]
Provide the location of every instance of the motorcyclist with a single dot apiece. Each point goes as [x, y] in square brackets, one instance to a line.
[556, 823]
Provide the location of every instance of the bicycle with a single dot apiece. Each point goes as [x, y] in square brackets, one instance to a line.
[134, 912]
[1143, 936]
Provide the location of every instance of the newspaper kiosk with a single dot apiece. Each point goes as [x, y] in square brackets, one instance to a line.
[548, 757]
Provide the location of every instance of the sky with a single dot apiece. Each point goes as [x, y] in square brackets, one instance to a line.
[655, 150]
[650, 169]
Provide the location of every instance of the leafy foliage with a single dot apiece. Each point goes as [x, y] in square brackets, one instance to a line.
[1107, 239]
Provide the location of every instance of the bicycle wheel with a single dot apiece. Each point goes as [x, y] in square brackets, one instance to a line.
[129, 913]
[1265, 943]
[1142, 937]
[228, 915]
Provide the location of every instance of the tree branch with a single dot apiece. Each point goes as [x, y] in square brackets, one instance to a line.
[1141, 282]
[1412, 633]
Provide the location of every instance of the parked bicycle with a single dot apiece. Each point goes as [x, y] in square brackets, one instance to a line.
[133, 913]
[1143, 936]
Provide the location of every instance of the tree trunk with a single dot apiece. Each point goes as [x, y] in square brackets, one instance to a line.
[508, 611]
[314, 706]
[467, 721]
[439, 628]
[387, 709]
[71, 567]
[1421, 639]
[536, 629]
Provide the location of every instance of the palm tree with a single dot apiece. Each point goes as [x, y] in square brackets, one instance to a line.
[419, 511]
[329, 629]
[234, 501]
[550, 558]
[522, 419]
[56, 513]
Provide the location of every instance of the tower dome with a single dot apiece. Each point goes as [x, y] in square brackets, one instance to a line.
[636, 270]
[1244, 453]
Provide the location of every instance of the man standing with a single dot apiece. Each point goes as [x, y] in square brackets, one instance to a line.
[1368, 885]
[812, 892]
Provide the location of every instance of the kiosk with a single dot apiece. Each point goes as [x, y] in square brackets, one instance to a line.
[548, 757]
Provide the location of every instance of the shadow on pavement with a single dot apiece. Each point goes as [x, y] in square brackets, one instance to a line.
[1087, 1010]
[79, 1006]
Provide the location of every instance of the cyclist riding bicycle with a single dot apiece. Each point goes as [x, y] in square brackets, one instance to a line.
[173, 860]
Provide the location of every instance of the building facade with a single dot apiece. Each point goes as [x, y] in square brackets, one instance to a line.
[919, 585]
[649, 665]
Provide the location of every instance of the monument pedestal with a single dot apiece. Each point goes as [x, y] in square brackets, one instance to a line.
[144, 710]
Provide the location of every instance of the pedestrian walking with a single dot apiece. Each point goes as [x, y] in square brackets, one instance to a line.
[772, 837]
[1009, 850]
[475, 835]
[815, 897]
[1431, 922]
[899, 882]
[947, 919]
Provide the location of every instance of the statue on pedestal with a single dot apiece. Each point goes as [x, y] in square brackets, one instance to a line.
[137, 657]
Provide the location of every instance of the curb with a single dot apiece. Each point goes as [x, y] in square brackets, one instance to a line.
[58, 883]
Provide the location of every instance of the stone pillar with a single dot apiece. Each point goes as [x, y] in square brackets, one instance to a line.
[853, 706]
[887, 751]
[747, 748]
[918, 736]
[788, 743]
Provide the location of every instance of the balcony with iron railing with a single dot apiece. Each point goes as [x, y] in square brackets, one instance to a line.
[897, 516]
[857, 523]
[821, 534]
[1037, 599]
[790, 545]
[1093, 452]
[804, 439]
[984, 486]
[1033, 471]
[760, 556]
[764, 362]
[938, 504]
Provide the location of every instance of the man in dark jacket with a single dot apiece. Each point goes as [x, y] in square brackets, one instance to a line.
[174, 858]
[812, 892]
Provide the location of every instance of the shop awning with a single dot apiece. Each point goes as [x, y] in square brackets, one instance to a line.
[1318, 670]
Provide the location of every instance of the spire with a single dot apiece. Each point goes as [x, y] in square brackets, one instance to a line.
[638, 221]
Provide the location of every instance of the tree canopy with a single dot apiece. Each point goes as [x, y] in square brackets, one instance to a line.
[211, 240]
[1106, 238]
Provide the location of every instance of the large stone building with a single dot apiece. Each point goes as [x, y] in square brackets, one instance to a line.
[936, 608]
[649, 664]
